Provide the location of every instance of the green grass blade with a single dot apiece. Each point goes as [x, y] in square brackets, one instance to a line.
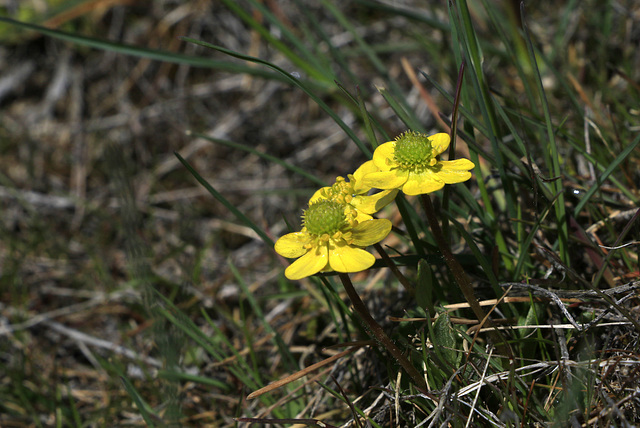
[141, 52]
[266, 156]
[240, 369]
[257, 310]
[294, 81]
[526, 243]
[369, 53]
[367, 120]
[308, 62]
[239, 215]
[336, 53]
[468, 116]
[145, 410]
[515, 160]
[480, 258]
[516, 50]
[73, 408]
[188, 377]
[551, 155]
[605, 175]
[406, 116]
[412, 14]
[474, 58]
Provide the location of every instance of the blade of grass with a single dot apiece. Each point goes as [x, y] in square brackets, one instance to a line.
[613, 166]
[75, 415]
[239, 215]
[542, 184]
[257, 310]
[526, 243]
[145, 410]
[141, 52]
[308, 62]
[238, 366]
[367, 120]
[472, 53]
[550, 151]
[373, 58]
[291, 79]
[406, 116]
[601, 167]
[486, 266]
[464, 111]
[336, 53]
[514, 45]
[412, 14]
[453, 138]
[188, 377]
[266, 156]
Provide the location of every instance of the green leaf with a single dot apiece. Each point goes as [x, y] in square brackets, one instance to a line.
[445, 340]
[424, 286]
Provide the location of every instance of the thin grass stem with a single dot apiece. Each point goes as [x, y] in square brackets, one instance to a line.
[374, 329]
[455, 267]
[459, 275]
[394, 269]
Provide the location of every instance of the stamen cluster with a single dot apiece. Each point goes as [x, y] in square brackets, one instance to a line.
[413, 151]
[324, 217]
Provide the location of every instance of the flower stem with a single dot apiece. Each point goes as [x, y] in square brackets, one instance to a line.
[375, 330]
[456, 269]
[391, 265]
[461, 277]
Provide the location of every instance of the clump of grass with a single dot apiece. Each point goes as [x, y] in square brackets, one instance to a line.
[509, 300]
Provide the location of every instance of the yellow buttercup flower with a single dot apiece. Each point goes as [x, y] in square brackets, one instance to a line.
[331, 239]
[410, 164]
[354, 193]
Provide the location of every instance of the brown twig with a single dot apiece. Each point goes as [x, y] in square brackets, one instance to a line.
[297, 375]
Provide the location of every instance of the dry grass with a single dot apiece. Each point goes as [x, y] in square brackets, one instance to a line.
[86, 132]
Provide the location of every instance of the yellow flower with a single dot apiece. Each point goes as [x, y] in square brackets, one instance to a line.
[331, 239]
[410, 163]
[354, 193]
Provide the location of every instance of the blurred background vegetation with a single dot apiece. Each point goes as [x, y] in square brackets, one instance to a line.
[130, 295]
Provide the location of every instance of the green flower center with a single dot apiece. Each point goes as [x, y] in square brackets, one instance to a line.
[324, 217]
[413, 150]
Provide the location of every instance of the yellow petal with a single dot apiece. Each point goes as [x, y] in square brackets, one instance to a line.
[364, 169]
[344, 258]
[383, 157]
[360, 217]
[455, 171]
[318, 195]
[439, 142]
[374, 203]
[309, 264]
[386, 179]
[419, 184]
[292, 245]
[370, 232]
